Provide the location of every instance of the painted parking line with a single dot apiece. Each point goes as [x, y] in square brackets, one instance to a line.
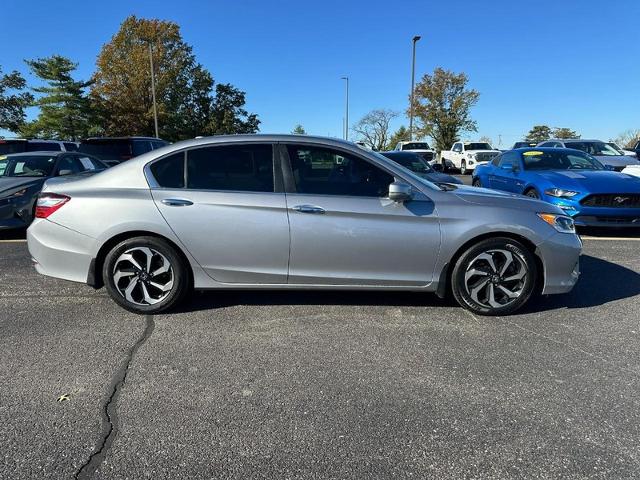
[17, 240]
[611, 239]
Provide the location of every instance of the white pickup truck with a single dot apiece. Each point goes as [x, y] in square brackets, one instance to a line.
[466, 156]
[421, 148]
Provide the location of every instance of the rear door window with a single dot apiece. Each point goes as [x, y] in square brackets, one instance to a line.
[69, 165]
[247, 168]
[141, 146]
[70, 146]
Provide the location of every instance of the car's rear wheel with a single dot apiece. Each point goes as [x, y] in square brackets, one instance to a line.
[496, 276]
[463, 168]
[145, 275]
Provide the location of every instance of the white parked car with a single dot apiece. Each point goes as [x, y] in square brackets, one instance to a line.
[421, 148]
[633, 170]
[466, 156]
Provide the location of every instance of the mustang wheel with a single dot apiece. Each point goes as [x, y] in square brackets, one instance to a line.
[494, 277]
[145, 275]
[477, 183]
[532, 193]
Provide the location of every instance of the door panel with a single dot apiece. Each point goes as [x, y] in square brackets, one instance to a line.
[362, 241]
[236, 237]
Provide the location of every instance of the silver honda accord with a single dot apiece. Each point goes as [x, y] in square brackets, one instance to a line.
[295, 212]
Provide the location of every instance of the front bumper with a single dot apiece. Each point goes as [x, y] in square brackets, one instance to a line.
[560, 256]
[60, 252]
[588, 216]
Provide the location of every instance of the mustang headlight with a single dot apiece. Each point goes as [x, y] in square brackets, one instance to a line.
[561, 193]
[561, 223]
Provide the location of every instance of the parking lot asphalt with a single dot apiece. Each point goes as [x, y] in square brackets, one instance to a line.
[321, 384]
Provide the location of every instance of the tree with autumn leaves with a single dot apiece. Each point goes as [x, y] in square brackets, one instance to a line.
[117, 100]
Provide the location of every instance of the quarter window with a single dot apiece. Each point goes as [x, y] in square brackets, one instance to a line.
[247, 168]
[328, 172]
[169, 171]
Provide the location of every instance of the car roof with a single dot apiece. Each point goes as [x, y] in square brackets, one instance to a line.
[401, 153]
[544, 149]
[572, 140]
[123, 138]
[39, 153]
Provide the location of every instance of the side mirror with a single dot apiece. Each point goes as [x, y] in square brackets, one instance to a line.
[65, 172]
[399, 192]
[437, 167]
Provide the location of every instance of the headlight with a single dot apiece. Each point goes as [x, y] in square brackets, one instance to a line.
[561, 223]
[561, 193]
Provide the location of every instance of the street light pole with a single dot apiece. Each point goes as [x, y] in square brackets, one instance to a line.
[153, 90]
[413, 82]
[346, 121]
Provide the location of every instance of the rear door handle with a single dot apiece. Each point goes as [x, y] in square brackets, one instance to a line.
[308, 209]
[176, 202]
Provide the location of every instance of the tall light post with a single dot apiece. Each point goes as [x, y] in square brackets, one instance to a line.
[346, 106]
[153, 89]
[413, 83]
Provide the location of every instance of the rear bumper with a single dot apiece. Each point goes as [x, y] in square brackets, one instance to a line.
[60, 252]
[560, 256]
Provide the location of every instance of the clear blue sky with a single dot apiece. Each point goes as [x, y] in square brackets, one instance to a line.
[572, 63]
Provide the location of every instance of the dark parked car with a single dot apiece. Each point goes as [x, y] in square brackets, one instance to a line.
[23, 174]
[415, 162]
[113, 150]
[21, 145]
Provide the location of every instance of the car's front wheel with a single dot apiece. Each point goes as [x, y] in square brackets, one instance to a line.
[463, 168]
[496, 276]
[145, 275]
[477, 183]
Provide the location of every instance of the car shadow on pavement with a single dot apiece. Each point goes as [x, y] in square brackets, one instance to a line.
[600, 282]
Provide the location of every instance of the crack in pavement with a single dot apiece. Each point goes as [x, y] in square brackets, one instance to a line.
[109, 413]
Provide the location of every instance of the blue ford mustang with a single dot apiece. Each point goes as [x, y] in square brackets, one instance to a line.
[573, 180]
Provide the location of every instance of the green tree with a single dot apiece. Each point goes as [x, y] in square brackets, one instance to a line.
[13, 101]
[565, 133]
[65, 110]
[299, 130]
[373, 129]
[539, 133]
[400, 135]
[442, 107]
[184, 88]
[228, 115]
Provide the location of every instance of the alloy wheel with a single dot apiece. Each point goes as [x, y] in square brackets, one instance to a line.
[143, 276]
[496, 278]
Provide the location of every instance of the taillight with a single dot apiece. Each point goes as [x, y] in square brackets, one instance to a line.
[48, 203]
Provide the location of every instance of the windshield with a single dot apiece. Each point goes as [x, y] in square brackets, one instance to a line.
[416, 146]
[616, 148]
[559, 160]
[477, 146]
[27, 166]
[594, 148]
[408, 172]
[415, 163]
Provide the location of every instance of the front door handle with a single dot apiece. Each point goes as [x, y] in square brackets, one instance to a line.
[177, 202]
[308, 209]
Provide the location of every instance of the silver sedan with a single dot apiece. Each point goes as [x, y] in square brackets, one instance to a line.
[295, 212]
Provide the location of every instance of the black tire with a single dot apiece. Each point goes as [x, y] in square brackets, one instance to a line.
[177, 276]
[445, 167]
[463, 168]
[522, 258]
[532, 193]
[477, 183]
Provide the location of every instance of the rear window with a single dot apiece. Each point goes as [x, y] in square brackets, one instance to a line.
[416, 146]
[477, 146]
[43, 147]
[12, 146]
[108, 149]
